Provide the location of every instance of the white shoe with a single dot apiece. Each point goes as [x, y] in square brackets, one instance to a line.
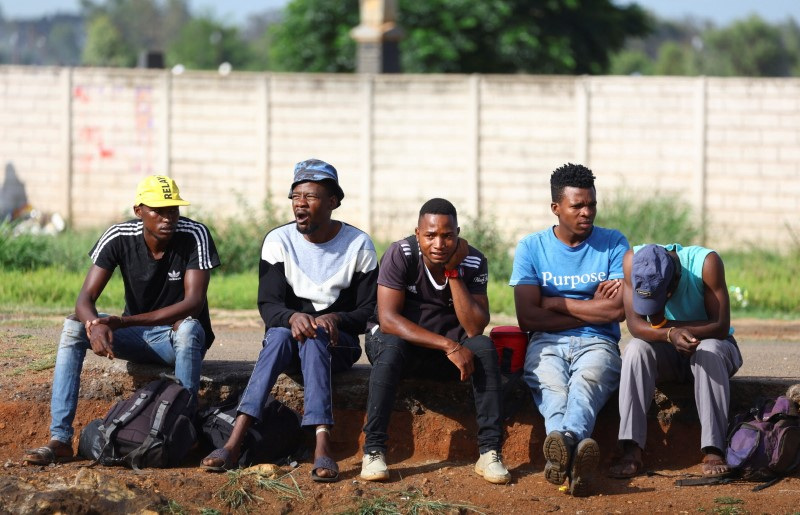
[490, 466]
[373, 467]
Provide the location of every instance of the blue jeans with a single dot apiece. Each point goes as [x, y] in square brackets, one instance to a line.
[317, 360]
[571, 379]
[393, 358]
[184, 348]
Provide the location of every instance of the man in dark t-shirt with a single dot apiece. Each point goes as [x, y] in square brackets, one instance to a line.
[432, 311]
[165, 261]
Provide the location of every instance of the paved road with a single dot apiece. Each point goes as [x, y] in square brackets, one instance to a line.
[239, 336]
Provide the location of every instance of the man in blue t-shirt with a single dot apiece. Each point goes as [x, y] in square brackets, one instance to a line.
[567, 294]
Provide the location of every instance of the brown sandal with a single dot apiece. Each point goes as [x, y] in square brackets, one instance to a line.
[714, 466]
[45, 456]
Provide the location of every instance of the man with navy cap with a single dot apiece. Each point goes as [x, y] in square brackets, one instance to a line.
[678, 312]
[316, 289]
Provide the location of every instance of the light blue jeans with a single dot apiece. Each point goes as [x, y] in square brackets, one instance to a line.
[571, 379]
[184, 348]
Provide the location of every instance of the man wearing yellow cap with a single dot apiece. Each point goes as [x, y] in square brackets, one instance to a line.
[165, 261]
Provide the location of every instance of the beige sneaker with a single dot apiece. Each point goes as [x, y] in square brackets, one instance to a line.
[373, 467]
[490, 466]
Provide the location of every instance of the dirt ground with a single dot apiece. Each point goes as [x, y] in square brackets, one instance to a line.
[24, 417]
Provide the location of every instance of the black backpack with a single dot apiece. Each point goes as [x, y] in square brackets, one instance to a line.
[276, 438]
[152, 428]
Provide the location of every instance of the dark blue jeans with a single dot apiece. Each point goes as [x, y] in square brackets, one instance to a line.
[393, 358]
[317, 360]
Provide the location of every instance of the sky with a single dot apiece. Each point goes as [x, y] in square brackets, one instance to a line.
[721, 12]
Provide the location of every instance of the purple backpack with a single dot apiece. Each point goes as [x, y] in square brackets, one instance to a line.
[764, 443]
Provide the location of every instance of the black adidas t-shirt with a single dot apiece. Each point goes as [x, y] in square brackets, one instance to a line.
[425, 304]
[153, 284]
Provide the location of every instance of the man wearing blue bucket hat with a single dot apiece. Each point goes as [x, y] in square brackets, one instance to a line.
[316, 290]
[678, 312]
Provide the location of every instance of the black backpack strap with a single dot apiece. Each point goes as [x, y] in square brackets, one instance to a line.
[169, 395]
[138, 405]
[699, 481]
[767, 484]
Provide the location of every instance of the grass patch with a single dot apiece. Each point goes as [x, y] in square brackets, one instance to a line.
[172, 507]
[398, 502]
[662, 219]
[729, 506]
[242, 486]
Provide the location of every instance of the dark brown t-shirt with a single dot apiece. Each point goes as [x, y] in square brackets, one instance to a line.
[426, 304]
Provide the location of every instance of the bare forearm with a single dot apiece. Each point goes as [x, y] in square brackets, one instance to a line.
[412, 333]
[591, 311]
[703, 329]
[472, 316]
[165, 316]
[534, 318]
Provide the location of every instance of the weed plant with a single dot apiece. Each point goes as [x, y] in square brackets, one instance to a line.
[239, 238]
[45, 273]
[397, 502]
[662, 219]
[239, 490]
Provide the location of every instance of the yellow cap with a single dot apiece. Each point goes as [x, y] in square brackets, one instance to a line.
[159, 191]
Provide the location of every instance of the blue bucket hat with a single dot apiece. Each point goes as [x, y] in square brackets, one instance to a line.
[651, 275]
[315, 170]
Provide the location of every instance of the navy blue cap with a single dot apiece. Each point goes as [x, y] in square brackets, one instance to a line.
[651, 276]
[315, 170]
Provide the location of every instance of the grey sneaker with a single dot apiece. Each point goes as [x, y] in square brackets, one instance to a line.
[490, 466]
[373, 467]
[557, 451]
[587, 456]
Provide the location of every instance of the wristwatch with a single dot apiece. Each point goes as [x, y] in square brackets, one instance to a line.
[454, 273]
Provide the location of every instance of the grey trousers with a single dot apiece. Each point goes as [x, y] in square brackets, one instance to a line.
[646, 363]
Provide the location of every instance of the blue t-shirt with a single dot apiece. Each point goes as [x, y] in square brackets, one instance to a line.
[559, 270]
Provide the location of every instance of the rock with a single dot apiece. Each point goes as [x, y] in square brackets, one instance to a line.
[91, 492]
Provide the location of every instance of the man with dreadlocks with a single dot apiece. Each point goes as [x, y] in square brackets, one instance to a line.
[568, 296]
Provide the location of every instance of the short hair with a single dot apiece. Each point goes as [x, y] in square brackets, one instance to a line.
[438, 206]
[569, 175]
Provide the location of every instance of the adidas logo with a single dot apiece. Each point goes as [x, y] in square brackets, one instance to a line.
[412, 288]
[174, 275]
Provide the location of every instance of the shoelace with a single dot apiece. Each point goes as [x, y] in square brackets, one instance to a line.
[496, 458]
[374, 456]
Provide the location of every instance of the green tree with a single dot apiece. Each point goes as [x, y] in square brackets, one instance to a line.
[149, 25]
[750, 48]
[105, 45]
[631, 62]
[465, 36]
[675, 59]
[204, 44]
[315, 37]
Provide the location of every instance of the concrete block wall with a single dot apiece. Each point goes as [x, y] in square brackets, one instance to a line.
[753, 162]
[528, 127]
[80, 139]
[34, 137]
[423, 147]
[217, 143]
[323, 117]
